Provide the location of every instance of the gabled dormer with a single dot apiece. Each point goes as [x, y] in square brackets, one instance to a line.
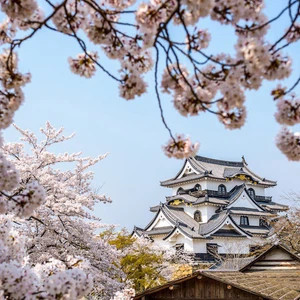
[243, 199]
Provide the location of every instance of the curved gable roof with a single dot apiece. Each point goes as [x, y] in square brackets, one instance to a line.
[217, 169]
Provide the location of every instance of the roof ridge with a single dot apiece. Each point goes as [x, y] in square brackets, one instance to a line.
[219, 161]
[226, 213]
[195, 163]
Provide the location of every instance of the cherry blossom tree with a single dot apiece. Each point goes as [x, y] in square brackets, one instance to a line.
[141, 37]
[62, 229]
[286, 227]
[18, 279]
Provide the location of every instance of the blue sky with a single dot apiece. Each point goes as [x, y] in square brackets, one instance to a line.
[131, 131]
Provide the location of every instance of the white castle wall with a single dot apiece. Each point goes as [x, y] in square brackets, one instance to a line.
[226, 245]
[206, 210]
[213, 185]
[253, 221]
[233, 246]
[199, 246]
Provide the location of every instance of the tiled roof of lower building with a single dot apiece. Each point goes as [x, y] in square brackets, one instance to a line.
[283, 285]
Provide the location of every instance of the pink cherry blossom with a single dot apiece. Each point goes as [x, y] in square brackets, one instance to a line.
[181, 147]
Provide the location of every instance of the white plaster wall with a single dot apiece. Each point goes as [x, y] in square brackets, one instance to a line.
[190, 210]
[227, 245]
[199, 246]
[188, 169]
[253, 221]
[244, 201]
[189, 186]
[233, 246]
[206, 210]
[158, 240]
[213, 185]
[211, 210]
[259, 191]
[188, 244]
[236, 219]
[162, 223]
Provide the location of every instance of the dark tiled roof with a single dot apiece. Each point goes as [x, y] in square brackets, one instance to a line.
[179, 219]
[283, 285]
[183, 221]
[228, 172]
[276, 262]
[234, 263]
[181, 180]
[185, 197]
[218, 169]
[273, 206]
[138, 231]
[219, 162]
[214, 222]
[248, 211]
[160, 230]
[227, 233]
[268, 284]
[258, 230]
[154, 208]
[209, 196]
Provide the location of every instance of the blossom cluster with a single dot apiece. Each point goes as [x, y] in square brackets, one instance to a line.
[289, 143]
[59, 226]
[19, 281]
[181, 147]
[126, 294]
[195, 86]
[26, 202]
[84, 65]
[288, 111]
[293, 35]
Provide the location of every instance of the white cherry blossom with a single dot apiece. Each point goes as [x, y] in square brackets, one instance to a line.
[181, 147]
[84, 65]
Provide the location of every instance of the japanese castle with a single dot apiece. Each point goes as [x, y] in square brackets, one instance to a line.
[215, 206]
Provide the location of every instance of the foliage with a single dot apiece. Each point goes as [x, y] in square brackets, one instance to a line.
[197, 80]
[146, 264]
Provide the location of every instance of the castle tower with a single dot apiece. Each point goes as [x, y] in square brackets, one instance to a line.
[215, 206]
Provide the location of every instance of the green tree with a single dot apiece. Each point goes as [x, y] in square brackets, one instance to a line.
[143, 264]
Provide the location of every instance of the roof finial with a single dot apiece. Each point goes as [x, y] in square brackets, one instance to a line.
[244, 160]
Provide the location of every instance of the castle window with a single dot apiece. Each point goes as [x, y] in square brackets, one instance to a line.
[179, 247]
[262, 222]
[222, 189]
[244, 220]
[251, 193]
[212, 249]
[180, 191]
[198, 187]
[198, 216]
